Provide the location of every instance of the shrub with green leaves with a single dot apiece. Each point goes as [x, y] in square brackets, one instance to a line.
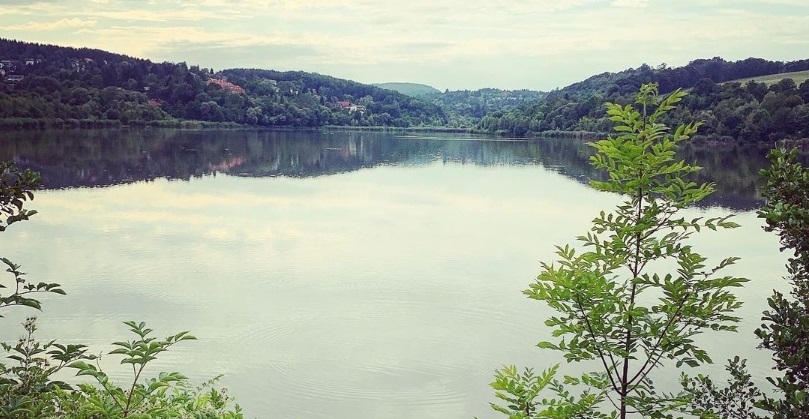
[28, 387]
[634, 294]
[167, 395]
[785, 327]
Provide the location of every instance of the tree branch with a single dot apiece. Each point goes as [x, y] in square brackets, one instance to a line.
[598, 348]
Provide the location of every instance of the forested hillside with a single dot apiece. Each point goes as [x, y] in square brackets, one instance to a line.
[466, 108]
[309, 99]
[742, 111]
[83, 86]
[46, 85]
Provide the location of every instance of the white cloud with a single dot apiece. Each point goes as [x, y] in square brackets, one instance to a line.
[634, 4]
[185, 14]
[64, 23]
[355, 38]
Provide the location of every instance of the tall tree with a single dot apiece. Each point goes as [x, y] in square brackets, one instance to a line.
[615, 304]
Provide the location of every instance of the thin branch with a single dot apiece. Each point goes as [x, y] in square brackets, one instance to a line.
[132, 389]
[106, 385]
[660, 338]
[607, 395]
[598, 348]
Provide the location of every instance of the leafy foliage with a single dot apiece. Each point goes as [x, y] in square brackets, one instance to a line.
[22, 290]
[521, 393]
[28, 390]
[154, 397]
[785, 327]
[738, 400]
[16, 188]
[785, 324]
[28, 387]
[614, 306]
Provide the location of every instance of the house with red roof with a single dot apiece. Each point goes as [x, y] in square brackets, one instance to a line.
[226, 85]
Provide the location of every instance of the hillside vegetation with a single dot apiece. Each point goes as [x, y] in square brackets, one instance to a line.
[46, 85]
[69, 86]
[466, 108]
[749, 112]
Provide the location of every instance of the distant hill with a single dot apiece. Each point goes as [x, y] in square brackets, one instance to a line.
[670, 78]
[48, 85]
[410, 89]
[342, 102]
[59, 86]
[465, 108]
[729, 109]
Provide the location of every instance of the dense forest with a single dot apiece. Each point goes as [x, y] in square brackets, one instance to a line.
[46, 85]
[466, 108]
[83, 86]
[750, 112]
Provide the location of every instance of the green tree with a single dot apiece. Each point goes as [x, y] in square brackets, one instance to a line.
[616, 304]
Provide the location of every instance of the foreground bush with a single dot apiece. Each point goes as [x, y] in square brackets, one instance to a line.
[29, 388]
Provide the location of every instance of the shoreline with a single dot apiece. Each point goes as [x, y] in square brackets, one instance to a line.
[43, 124]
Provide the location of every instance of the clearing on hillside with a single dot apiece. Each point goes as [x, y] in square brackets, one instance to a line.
[797, 76]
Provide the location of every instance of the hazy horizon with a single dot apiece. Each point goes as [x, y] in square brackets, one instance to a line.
[452, 45]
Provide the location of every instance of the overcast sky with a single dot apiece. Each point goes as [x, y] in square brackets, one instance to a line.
[455, 44]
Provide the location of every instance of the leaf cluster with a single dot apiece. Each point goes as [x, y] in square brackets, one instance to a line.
[22, 290]
[521, 394]
[16, 187]
[26, 385]
[735, 401]
[141, 397]
[28, 390]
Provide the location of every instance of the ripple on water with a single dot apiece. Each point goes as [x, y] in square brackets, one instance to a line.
[396, 349]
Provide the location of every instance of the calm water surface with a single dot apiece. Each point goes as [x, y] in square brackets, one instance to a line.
[334, 275]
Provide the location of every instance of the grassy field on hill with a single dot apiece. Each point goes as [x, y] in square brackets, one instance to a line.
[798, 77]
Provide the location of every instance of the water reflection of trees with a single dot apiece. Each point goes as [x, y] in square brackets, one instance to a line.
[98, 157]
[734, 170]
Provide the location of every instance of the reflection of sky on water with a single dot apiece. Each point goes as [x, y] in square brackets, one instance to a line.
[391, 291]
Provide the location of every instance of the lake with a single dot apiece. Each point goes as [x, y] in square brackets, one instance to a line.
[336, 274]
